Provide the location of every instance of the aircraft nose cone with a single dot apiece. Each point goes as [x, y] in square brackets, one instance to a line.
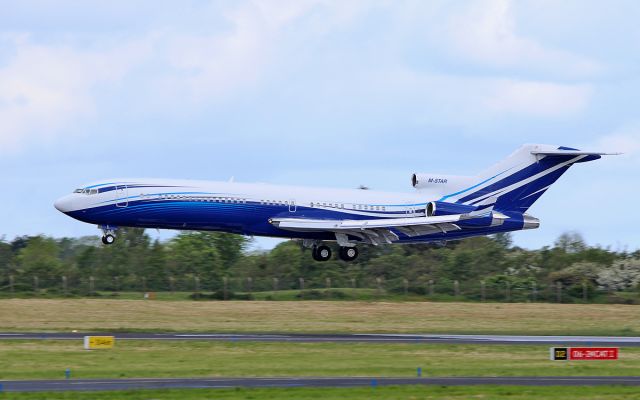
[63, 204]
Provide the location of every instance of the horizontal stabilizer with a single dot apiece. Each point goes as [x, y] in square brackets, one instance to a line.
[516, 182]
[571, 153]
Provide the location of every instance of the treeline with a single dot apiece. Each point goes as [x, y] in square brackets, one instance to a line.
[483, 268]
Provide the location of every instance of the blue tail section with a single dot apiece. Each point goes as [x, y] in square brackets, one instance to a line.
[518, 181]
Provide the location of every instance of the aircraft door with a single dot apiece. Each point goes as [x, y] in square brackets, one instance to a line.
[122, 196]
[292, 205]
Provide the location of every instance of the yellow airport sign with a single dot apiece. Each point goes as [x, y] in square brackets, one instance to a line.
[99, 342]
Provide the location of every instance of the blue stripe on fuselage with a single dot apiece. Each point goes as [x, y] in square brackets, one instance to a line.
[244, 218]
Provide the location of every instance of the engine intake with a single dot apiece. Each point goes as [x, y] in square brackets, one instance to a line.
[439, 208]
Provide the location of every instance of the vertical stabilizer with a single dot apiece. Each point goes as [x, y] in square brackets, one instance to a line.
[516, 182]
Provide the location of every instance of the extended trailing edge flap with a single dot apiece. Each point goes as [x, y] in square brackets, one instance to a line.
[333, 225]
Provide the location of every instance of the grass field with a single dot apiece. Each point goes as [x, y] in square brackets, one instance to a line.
[49, 359]
[318, 316]
[139, 359]
[388, 392]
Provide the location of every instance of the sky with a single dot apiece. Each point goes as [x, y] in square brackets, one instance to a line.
[322, 93]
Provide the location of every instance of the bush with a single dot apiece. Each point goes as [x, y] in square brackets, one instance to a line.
[219, 295]
[316, 294]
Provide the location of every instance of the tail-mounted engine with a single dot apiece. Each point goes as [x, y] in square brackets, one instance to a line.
[439, 208]
[440, 182]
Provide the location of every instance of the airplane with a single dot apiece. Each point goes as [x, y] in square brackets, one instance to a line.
[440, 208]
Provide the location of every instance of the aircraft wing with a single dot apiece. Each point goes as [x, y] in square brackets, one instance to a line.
[373, 231]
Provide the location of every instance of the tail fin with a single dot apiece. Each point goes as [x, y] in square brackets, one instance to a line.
[515, 183]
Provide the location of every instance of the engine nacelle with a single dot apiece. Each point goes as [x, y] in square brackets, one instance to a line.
[439, 208]
[440, 182]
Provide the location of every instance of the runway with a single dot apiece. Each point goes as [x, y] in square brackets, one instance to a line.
[218, 383]
[633, 341]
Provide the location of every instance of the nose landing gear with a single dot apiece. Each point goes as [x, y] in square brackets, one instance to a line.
[108, 234]
[108, 239]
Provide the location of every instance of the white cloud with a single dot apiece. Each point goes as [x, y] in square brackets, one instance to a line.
[214, 65]
[42, 88]
[471, 100]
[45, 87]
[486, 33]
[625, 140]
[537, 98]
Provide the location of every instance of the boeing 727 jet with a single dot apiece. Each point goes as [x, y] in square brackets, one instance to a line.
[440, 207]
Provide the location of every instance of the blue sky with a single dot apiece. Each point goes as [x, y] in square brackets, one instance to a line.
[327, 93]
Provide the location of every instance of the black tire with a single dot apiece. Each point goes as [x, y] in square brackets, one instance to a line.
[108, 239]
[321, 253]
[348, 253]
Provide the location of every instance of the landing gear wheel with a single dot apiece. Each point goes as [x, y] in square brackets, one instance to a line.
[108, 239]
[348, 253]
[321, 253]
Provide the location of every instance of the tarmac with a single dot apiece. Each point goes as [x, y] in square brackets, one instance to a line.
[175, 383]
[219, 383]
[631, 341]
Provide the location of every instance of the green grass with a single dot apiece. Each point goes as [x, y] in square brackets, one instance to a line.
[318, 317]
[417, 392]
[131, 359]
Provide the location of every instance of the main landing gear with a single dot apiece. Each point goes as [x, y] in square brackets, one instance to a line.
[348, 253]
[108, 234]
[323, 253]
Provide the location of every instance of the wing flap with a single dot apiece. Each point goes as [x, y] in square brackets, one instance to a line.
[302, 224]
[373, 231]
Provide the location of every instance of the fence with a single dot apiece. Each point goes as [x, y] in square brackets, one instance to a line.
[310, 288]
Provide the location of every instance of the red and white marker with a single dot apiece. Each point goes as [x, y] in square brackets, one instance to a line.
[583, 353]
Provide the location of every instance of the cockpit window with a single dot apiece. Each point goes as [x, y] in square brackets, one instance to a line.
[93, 191]
[78, 191]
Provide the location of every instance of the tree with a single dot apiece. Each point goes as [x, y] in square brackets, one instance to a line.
[503, 239]
[284, 262]
[230, 247]
[571, 242]
[577, 273]
[6, 257]
[622, 274]
[40, 258]
[195, 254]
[154, 269]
